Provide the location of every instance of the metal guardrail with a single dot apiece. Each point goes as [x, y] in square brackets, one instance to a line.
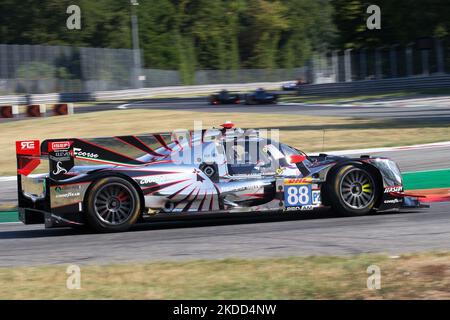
[130, 94]
[363, 86]
[381, 85]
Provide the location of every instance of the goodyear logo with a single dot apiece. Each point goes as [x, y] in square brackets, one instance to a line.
[295, 181]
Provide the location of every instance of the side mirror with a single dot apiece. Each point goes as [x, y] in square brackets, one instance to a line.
[296, 158]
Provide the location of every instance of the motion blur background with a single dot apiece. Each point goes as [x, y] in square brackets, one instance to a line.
[184, 42]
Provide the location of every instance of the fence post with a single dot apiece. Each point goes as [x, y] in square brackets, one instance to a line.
[393, 60]
[378, 72]
[425, 53]
[408, 56]
[439, 55]
[314, 68]
[348, 65]
[335, 64]
[363, 63]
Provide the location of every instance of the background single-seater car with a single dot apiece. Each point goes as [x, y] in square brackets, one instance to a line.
[224, 97]
[111, 183]
[293, 86]
[261, 96]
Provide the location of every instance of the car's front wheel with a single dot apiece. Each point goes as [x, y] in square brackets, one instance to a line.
[353, 190]
[112, 205]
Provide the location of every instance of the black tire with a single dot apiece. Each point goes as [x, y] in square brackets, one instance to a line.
[112, 205]
[353, 190]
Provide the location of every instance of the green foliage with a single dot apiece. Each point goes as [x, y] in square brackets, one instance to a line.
[181, 34]
[36, 70]
[223, 34]
[402, 21]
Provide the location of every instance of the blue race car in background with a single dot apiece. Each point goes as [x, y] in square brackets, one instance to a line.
[261, 96]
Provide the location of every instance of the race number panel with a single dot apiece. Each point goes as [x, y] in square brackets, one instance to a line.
[297, 195]
[300, 193]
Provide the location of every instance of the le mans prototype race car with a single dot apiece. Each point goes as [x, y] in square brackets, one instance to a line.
[111, 183]
[261, 96]
[224, 97]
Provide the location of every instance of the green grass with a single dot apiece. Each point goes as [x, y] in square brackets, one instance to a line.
[415, 276]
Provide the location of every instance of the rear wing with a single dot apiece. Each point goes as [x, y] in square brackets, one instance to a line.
[64, 154]
[41, 186]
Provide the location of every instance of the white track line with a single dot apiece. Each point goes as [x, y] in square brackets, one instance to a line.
[126, 105]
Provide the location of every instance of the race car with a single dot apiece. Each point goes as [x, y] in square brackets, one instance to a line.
[293, 86]
[289, 86]
[111, 183]
[261, 96]
[224, 97]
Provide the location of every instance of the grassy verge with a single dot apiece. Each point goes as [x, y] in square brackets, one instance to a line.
[416, 276]
[305, 132]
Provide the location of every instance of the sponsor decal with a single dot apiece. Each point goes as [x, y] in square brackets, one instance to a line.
[242, 187]
[393, 201]
[60, 154]
[69, 191]
[154, 179]
[295, 181]
[316, 197]
[28, 147]
[59, 145]
[59, 169]
[393, 189]
[300, 208]
[78, 152]
[59, 151]
[68, 195]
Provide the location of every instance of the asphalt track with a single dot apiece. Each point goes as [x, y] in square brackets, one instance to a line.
[436, 109]
[431, 109]
[395, 233]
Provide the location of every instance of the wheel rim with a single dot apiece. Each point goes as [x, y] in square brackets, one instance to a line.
[357, 189]
[114, 203]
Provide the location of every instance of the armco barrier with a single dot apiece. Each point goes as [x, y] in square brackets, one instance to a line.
[131, 93]
[382, 85]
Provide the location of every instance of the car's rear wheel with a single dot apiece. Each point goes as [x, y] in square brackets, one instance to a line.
[112, 205]
[353, 190]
